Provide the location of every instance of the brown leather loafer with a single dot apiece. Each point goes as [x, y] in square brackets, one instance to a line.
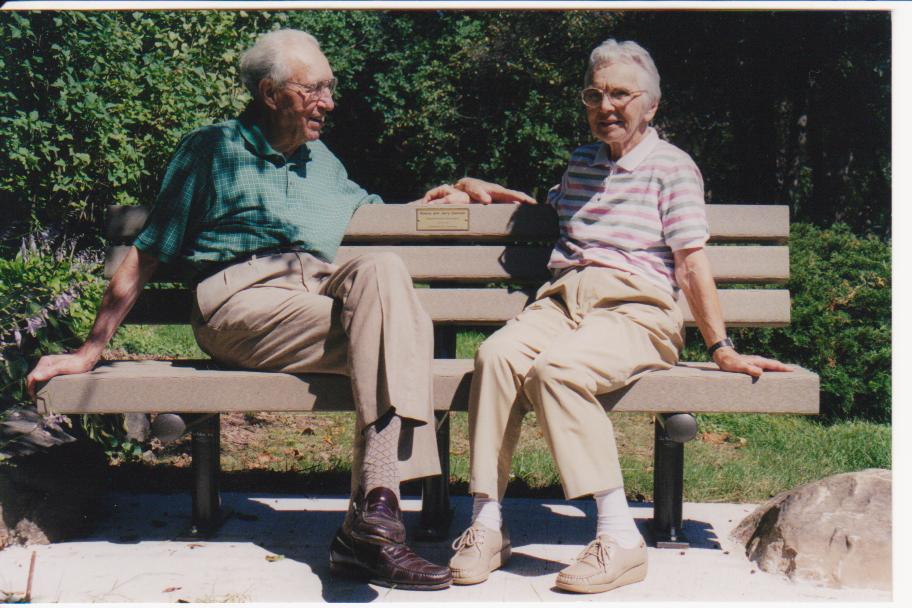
[377, 519]
[386, 564]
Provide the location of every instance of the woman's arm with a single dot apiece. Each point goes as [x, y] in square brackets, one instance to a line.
[695, 279]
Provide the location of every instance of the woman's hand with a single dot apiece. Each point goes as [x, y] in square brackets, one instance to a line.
[470, 189]
[729, 360]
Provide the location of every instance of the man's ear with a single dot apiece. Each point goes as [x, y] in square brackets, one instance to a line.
[268, 93]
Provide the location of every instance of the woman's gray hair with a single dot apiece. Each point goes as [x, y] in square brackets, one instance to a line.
[612, 51]
[272, 56]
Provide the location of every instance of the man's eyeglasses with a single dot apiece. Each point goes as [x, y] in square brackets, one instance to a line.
[592, 97]
[316, 89]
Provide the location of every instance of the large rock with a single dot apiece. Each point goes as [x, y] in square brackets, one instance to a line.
[52, 496]
[836, 531]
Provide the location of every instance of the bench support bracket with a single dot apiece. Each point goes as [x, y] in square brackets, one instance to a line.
[668, 489]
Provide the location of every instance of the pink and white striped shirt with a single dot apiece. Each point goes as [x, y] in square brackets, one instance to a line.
[630, 214]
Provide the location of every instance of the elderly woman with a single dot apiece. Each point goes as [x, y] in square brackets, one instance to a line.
[632, 231]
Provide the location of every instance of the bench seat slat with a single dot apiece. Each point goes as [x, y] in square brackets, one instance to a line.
[740, 307]
[768, 223]
[194, 387]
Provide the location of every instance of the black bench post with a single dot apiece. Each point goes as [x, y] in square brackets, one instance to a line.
[671, 431]
[206, 464]
[436, 513]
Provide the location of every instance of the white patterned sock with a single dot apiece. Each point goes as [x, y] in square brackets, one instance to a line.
[381, 465]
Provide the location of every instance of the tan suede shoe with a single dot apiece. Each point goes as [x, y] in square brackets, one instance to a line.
[479, 552]
[602, 566]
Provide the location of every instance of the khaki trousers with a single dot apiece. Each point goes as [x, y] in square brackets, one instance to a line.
[590, 331]
[295, 313]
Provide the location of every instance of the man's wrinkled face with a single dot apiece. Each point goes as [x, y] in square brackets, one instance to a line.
[301, 103]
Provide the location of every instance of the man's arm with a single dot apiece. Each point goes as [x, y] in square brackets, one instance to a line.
[695, 279]
[119, 297]
[470, 189]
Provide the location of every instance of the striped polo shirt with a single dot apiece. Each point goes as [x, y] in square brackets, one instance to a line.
[630, 214]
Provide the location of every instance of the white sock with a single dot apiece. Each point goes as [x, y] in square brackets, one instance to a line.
[487, 512]
[614, 518]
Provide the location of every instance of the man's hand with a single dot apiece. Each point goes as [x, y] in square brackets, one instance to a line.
[119, 296]
[56, 365]
[470, 189]
[730, 360]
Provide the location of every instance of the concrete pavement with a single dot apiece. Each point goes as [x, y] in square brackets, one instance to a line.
[275, 549]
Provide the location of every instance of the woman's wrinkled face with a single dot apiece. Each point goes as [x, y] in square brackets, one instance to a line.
[620, 126]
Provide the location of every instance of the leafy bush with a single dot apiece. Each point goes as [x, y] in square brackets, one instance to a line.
[93, 103]
[841, 321]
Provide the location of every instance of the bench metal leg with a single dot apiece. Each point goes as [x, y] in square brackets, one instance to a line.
[668, 484]
[436, 513]
[205, 441]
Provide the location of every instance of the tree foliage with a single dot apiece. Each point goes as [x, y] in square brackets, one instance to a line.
[787, 107]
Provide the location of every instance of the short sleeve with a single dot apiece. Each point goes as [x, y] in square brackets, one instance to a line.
[556, 191]
[350, 191]
[181, 199]
[682, 207]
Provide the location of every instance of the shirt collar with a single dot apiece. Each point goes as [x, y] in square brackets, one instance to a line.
[632, 159]
[252, 133]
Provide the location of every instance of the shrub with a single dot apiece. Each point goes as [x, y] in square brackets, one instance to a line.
[840, 329]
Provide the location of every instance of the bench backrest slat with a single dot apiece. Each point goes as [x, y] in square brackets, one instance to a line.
[514, 263]
[759, 223]
[477, 306]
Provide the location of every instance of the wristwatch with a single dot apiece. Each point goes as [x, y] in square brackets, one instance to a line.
[720, 344]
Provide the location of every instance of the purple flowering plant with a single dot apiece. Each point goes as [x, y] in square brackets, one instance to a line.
[49, 292]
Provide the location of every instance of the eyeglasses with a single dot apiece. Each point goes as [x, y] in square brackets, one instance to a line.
[316, 89]
[592, 97]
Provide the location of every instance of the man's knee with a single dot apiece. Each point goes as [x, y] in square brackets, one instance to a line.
[382, 262]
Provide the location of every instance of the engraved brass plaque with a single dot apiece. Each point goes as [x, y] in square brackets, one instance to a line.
[440, 218]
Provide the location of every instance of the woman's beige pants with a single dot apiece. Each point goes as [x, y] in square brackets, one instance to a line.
[591, 331]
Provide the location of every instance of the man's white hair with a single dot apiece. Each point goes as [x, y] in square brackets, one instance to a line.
[272, 57]
[612, 51]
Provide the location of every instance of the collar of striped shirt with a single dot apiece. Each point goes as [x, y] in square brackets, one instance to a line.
[632, 159]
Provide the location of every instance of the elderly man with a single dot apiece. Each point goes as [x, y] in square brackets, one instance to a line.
[255, 209]
[632, 230]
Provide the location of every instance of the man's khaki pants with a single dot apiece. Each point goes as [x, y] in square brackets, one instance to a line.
[295, 313]
[590, 331]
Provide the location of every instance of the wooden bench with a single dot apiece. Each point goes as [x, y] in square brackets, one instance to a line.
[479, 264]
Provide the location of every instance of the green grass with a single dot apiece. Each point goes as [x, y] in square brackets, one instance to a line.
[161, 340]
[735, 458]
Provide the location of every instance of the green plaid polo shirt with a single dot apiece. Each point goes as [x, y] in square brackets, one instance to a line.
[227, 193]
